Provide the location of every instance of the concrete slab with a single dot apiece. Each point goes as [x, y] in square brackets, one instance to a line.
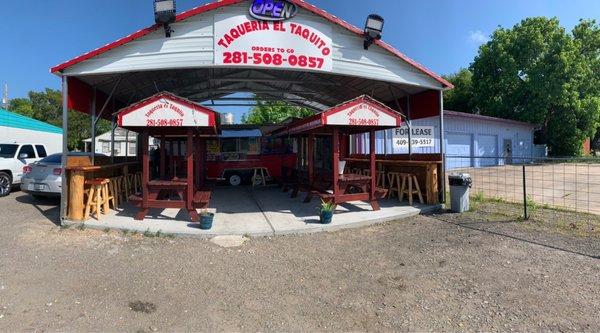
[267, 211]
[229, 240]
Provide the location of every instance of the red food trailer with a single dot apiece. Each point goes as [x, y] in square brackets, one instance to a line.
[241, 152]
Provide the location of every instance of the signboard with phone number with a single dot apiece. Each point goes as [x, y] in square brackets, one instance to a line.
[421, 136]
[242, 41]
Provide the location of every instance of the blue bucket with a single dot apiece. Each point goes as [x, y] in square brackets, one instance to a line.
[206, 221]
[326, 217]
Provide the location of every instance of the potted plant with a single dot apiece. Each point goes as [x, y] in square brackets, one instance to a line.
[206, 219]
[326, 211]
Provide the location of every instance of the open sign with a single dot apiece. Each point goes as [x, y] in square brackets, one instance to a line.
[273, 10]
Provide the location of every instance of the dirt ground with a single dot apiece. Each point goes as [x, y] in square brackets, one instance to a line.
[574, 186]
[443, 272]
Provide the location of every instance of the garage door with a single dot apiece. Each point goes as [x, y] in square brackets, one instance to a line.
[487, 149]
[458, 150]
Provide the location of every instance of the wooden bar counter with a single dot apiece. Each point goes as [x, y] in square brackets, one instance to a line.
[427, 171]
[78, 172]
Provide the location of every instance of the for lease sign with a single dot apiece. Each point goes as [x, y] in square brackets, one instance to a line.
[421, 136]
[242, 41]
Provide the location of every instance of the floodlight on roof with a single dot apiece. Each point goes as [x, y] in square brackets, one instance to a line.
[165, 14]
[373, 29]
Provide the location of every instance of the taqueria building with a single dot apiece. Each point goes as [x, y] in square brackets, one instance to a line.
[163, 80]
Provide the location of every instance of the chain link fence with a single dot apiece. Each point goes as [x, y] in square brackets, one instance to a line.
[561, 183]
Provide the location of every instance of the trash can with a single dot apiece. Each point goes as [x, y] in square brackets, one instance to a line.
[459, 191]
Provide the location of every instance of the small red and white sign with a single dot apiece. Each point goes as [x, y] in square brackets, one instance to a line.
[243, 41]
[362, 113]
[166, 110]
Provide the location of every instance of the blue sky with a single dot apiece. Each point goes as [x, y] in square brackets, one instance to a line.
[443, 35]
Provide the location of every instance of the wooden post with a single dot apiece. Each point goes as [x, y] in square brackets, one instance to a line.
[145, 176]
[372, 167]
[190, 169]
[172, 173]
[311, 159]
[76, 189]
[163, 141]
[335, 163]
[197, 166]
[202, 161]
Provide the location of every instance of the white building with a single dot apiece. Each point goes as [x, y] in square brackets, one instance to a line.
[125, 143]
[16, 128]
[471, 140]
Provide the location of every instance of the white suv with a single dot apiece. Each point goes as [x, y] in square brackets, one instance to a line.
[13, 157]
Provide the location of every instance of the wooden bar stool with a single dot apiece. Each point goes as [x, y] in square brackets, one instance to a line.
[366, 172]
[381, 179]
[98, 198]
[394, 184]
[113, 191]
[259, 177]
[407, 187]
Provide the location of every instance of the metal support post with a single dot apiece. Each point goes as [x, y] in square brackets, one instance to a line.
[442, 149]
[525, 213]
[65, 150]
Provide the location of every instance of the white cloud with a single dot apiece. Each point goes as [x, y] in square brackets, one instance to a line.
[478, 37]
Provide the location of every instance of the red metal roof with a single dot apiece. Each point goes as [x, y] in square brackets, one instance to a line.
[211, 6]
[321, 119]
[213, 116]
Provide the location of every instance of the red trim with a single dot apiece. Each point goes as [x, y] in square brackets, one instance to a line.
[320, 120]
[215, 5]
[362, 99]
[212, 115]
[140, 33]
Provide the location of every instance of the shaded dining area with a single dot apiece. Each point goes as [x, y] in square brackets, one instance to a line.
[323, 149]
[171, 119]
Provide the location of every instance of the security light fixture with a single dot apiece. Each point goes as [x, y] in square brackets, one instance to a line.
[373, 29]
[164, 14]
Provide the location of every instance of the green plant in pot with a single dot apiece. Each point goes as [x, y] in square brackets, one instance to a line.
[326, 211]
[206, 219]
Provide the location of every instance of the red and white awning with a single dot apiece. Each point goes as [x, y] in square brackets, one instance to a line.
[362, 113]
[167, 110]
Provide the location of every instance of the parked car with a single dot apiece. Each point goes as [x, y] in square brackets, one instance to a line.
[44, 178]
[13, 157]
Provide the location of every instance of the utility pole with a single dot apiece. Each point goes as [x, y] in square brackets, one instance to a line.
[5, 97]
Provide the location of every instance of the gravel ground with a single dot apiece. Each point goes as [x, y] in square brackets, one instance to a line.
[424, 273]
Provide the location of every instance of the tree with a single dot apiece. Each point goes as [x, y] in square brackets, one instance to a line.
[539, 73]
[274, 112]
[21, 106]
[461, 97]
[46, 106]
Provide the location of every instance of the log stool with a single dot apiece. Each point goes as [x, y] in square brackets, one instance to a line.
[407, 188]
[394, 184]
[98, 198]
[113, 192]
[366, 172]
[259, 177]
[381, 179]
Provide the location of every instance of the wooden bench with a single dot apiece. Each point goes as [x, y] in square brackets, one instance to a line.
[202, 198]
